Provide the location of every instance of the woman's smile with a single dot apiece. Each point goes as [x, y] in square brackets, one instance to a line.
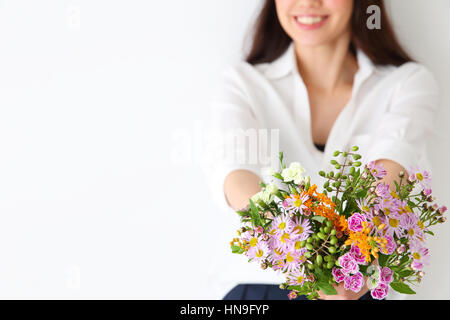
[310, 22]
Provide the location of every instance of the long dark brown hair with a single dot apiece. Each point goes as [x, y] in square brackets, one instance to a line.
[270, 40]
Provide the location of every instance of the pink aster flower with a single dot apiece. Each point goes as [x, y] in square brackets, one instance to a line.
[301, 229]
[363, 205]
[296, 203]
[412, 226]
[338, 275]
[291, 262]
[252, 238]
[377, 170]
[422, 177]
[419, 254]
[354, 282]
[394, 225]
[348, 264]
[297, 277]
[380, 291]
[355, 222]
[259, 252]
[281, 224]
[383, 190]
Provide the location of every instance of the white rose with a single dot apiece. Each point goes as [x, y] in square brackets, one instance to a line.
[293, 173]
[272, 188]
[267, 197]
[256, 197]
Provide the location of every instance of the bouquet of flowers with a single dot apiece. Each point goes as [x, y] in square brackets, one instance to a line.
[356, 231]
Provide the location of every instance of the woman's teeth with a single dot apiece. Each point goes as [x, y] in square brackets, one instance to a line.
[310, 19]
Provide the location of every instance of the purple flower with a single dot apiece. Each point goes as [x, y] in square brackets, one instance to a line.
[386, 275]
[355, 222]
[354, 282]
[357, 255]
[380, 291]
[390, 245]
[383, 190]
[348, 264]
[377, 170]
[338, 275]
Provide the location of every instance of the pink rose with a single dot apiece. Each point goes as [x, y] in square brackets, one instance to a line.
[348, 264]
[354, 282]
[380, 291]
[338, 274]
[357, 255]
[386, 275]
[355, 222]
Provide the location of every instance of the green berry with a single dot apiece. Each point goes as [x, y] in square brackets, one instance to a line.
[332, 249]
[333, 240]
[333, 232]
[321, 236]
[330, 264]
[309, 246]
[319, 259]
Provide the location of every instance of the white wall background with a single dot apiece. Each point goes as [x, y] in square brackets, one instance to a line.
[98, 98]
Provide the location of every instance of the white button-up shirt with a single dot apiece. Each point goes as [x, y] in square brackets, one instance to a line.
[390, 115]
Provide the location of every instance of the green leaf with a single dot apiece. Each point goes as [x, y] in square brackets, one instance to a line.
[278, 176]
[326, 288]
[320, 219]
[411, 204]
[405, 273]
[256, 219]
[242, 213]
[361, 194]
[382, 259]
[237, 249]
[402, 288]
[429, 232]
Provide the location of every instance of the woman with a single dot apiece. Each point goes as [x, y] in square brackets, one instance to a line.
[319, 78]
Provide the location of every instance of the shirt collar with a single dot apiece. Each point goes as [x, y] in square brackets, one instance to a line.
[287, 63]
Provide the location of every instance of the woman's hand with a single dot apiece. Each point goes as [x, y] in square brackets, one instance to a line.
[343, 294]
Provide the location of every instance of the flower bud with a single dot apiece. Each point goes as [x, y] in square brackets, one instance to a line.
[442, 219]
[264, 266]
[401, 249]
[265, 237]
[283, 286]
[401, 174]
[251, 232]
[311, 278]
[421, 274]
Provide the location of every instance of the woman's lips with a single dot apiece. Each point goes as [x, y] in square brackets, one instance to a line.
[310, 22]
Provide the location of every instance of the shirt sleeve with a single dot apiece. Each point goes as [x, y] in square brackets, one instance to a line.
[409, 123]
[233, 127]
